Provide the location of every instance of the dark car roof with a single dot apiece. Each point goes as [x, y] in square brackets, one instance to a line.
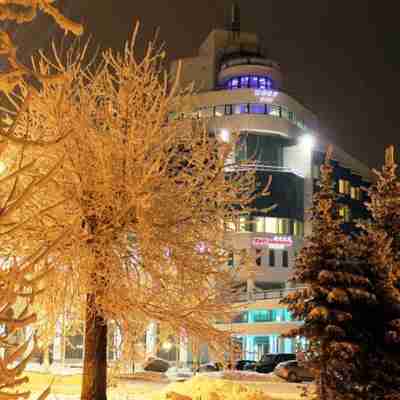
[288, 362]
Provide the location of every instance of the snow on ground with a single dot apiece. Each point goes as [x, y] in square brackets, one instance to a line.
[146, 385]
[251, 376]
[207, 388]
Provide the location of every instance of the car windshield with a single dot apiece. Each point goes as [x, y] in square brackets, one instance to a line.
[268, 358]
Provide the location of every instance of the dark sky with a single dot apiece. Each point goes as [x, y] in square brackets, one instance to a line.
[338, 56]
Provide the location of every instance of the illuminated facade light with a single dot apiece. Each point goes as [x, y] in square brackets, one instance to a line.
[307, 141]
[225, 135]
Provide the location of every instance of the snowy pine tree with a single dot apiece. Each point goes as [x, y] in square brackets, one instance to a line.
[379, 250]
[337, 299]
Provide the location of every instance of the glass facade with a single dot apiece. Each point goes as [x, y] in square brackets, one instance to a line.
[253, 347]
[250, 82]
[274, 110]
[260, 148]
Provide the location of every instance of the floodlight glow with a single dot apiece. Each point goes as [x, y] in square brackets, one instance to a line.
[307, 142]
[225, 135]
[3, 167]
[167, 346]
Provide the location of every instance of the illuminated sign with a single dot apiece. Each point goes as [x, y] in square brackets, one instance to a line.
[265, 95]
[275, 242]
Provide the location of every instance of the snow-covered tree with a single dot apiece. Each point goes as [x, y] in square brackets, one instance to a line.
[146, 197]
[19, 12]
[23, 264]
[338, 297]
[379, 253]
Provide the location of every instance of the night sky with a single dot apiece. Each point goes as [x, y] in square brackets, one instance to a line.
[338, 56]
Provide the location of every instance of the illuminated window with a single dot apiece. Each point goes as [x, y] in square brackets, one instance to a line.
[298, 228]
[240, 108]
[355, 193]
[235, 83]
[274, 110]
[283, 226]
[244, 224]
[230, 226]
[254, 82]
[344, 212]
[259, 225]
[244, 81]
[344, 186]
[257, 108]
[219, 111]
[271, 225]
[263, 83]
[284, 113]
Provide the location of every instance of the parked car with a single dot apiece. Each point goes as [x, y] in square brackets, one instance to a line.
[245, 365]
[156, 365]
[293, 371]
[210, 367]
[269, 361]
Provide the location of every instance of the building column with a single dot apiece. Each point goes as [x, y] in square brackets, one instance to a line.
[183, 351]
[151, 339]
[250, 287]
[57, 344]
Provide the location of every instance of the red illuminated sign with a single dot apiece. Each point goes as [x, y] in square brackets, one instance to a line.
[273, 242]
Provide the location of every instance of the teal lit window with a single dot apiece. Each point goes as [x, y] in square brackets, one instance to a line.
[272, 315]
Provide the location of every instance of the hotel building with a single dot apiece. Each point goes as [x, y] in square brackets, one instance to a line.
[241, 90]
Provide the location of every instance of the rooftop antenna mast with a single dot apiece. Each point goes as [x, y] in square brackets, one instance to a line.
[235, 21]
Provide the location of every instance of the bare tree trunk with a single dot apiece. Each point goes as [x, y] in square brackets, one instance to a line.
[94, 384]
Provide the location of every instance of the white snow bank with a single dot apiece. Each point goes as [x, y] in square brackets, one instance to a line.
[146, 376]
[249, 376]
[207, 388]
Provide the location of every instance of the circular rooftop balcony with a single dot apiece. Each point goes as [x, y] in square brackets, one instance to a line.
[250, 67]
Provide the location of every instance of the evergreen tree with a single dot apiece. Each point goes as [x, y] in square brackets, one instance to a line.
[379, 249]
[338, 298]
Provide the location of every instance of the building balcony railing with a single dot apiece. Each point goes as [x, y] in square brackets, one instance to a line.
[262, 167]
[265, 295]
